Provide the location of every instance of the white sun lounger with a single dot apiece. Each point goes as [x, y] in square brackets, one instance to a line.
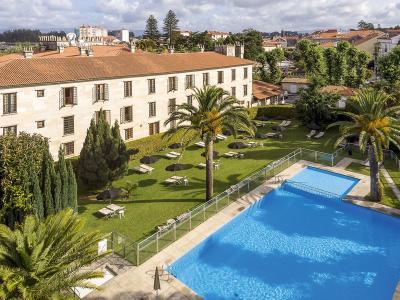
[171, 156]
[106, 212]
[146, 167]
[231, 154]
[200, 144]
[319, 135]
[288, 123]
[221, 137]
[175, 153]
[311, 134]
[143, 169]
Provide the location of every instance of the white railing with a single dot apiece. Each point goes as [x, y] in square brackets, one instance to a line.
[308, 189]
[189, 220]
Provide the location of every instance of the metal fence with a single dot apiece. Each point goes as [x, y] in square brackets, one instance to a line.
[140, 251]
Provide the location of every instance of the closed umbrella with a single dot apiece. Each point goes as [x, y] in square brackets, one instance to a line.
[149, 159]
[175, 146]
[215, 154]
[157, 285]
[237, 145]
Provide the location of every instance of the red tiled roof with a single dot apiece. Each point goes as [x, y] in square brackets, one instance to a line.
[22, 72]
[264, 90]
[339, 89]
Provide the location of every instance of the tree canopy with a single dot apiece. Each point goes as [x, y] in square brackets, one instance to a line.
[151, 32]
[170, 26]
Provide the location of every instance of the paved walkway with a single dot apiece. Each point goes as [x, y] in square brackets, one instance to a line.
[137, 283]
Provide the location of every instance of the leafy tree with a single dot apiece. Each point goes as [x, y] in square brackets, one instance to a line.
[365, 25]
[389, 68]
[376, 126]
[170, 26]
[315, 107]
[215, 110]
[43, 260]
[309, 58]
[151, 32]
[269, 69]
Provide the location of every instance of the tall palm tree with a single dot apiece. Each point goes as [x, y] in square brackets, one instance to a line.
[44, 260]
[376, 126]
[215, 111]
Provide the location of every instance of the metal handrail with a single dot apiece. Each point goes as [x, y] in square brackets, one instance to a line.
[310, 189]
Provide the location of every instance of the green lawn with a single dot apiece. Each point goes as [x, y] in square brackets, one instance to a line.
[390, 198]
[154, 203]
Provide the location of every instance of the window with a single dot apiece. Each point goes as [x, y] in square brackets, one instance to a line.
[127, 89]
[220, 76]
[245, 90]
[245, 73]
[129, 133]
[101, 92]
[189, 81]
[68, 125]
[172, 84]
[106, 114]
[206, 79]
[39, 93]
[152, 85]
[10, 130]
[154, 128]
[152, 109]
[40, 124]
[189, 99]
[171, 105]
[233, 74]
[126, 114]
[69, 148]
[69, 96]
[9, 103]
[233, 91]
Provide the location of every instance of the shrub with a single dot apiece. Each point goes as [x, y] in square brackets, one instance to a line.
[272, 111]
[154, 143]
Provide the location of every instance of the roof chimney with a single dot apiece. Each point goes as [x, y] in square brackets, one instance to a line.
[171, 50]
[133, 47]
[61, 49]
[82, 51]
[89, 51]
[201, 48]
[28, 52]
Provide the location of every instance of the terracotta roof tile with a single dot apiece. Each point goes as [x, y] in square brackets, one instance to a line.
[263, 90]
[22, 72]
[300, 80]
[339, 89]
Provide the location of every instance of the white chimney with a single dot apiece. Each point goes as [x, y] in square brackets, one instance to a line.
[133, 47]
[201, 48]
[171, 50]
[28, 53]
[82, 50]
[61, 49]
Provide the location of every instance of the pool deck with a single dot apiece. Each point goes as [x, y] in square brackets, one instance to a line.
[137, 282]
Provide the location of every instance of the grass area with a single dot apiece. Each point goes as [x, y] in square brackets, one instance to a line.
[390, 198]
[153, 202]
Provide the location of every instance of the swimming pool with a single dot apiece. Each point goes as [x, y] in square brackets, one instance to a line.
[293, 245]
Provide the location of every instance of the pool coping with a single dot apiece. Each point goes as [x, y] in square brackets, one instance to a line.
[138, 281]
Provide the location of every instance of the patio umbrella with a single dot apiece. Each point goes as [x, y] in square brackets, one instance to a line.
[227, 132]
[176, 167]
[215, 154]
[237, 145]
[175, 146]
[157, 285]
[149, 159]
[277, 128]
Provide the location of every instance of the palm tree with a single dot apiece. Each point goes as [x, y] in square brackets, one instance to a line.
[376, 126]
[215, 110]
[45, 260]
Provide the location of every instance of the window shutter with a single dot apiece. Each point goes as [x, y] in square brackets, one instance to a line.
[106, 93]
[125, 89]
[122, 115]
[94, 98]
[62, 98]
[108, 116]
[75, 95]
[176, 83]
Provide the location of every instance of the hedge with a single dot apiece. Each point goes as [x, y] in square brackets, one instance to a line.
[273, 112]
[154, 143]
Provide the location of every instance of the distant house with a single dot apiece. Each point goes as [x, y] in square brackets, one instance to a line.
[361, 39]
[185, 33]
[387, 42]
[292, 85]
[217, 35]
[343, 91]
[266, 93]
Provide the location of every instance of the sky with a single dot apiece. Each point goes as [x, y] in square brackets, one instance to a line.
[199, 15]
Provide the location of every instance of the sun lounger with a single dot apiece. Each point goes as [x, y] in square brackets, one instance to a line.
[319, 135]
[175, 153]
[200, 144]
[141, 170]
[282, 123]
[105, 212]
[215, 163]
[311, 134]
[230, 154]
[143, 166]
[287, 123]
[171, 156]
[221, 137]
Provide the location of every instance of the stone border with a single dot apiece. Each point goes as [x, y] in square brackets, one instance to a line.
[137, 283]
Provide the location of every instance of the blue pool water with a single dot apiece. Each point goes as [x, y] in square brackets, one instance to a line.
[296, 246]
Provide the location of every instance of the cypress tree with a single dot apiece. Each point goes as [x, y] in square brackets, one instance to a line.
[57, 191]
[62, 170]
[37, 200]
[72, 188]
[46, 185]
[117, 158]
